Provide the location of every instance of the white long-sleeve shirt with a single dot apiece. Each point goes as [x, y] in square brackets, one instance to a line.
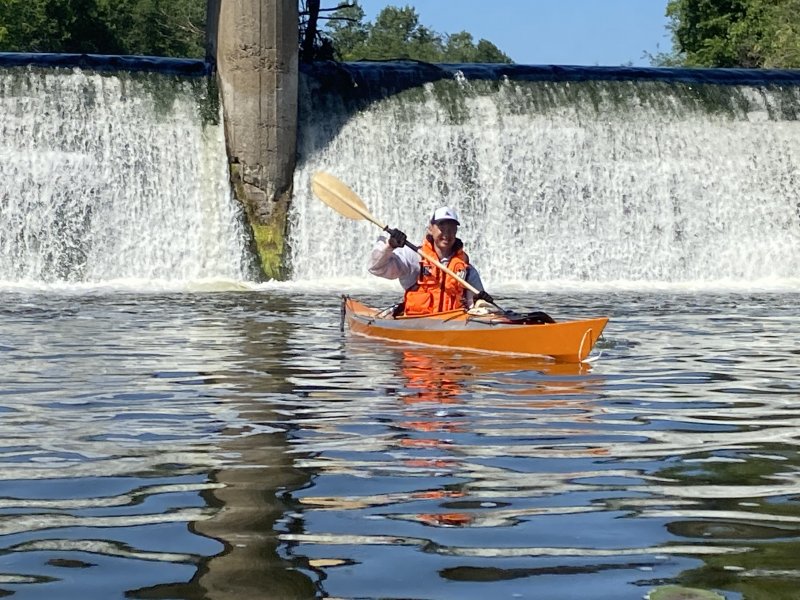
[403, 264]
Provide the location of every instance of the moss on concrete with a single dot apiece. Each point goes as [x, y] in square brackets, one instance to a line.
[269, 242]
[268, 238]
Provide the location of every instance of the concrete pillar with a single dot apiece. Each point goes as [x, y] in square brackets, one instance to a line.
[255, 47]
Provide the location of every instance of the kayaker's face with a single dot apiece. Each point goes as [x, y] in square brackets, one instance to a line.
[444, 236]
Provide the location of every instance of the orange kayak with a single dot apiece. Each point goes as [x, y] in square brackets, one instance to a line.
[501, 333]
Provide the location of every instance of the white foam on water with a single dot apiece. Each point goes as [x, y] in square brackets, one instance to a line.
[116, 183]
[106, 178]
[370, 285]
[601, 184]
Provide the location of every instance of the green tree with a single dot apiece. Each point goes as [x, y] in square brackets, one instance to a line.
[398, 34]
[459, 48]
[780, 43]
[162, 27]
[57, 26]
[81, 26]
[26, 25]
[155, 27]
[489, 53]
[347, 31]
[734, 33]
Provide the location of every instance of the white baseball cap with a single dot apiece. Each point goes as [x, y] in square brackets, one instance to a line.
[445, 213]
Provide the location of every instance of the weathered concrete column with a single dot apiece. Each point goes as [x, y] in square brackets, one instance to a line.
[255, 47]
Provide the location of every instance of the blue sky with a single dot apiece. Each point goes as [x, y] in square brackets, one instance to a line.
[559, 32]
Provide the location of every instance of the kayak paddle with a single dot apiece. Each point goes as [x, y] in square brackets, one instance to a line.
[346, 202]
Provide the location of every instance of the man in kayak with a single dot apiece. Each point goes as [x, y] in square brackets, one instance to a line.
[428, 289]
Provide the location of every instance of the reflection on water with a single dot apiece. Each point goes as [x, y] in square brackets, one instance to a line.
[138, 455]
[227, 446]
[674, 458]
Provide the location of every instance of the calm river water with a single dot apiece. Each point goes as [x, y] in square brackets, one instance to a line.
[237, 445]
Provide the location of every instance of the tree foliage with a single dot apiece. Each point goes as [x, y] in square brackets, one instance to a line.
[347, 30]
[177, 28]
[734, 33]
[398, 34]
[144, 27]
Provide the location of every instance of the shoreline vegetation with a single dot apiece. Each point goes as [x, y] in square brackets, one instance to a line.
[750, 34]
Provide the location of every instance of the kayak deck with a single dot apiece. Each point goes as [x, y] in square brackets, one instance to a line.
[564, 341]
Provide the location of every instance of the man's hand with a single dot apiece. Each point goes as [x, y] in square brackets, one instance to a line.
[397, 239]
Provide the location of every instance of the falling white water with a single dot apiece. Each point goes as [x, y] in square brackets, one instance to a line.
[590, 182]
[106, 178]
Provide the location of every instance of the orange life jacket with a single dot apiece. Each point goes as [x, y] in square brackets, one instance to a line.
[435, 291]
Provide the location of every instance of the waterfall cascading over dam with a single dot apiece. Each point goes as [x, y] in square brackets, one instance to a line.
[107, 177]
[573, 180]
[115, 176]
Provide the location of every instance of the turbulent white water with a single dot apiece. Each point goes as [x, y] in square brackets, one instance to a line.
[120, 181]
[106, 178]
[561, 182]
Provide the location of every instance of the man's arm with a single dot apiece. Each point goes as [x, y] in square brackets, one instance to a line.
[394, 263]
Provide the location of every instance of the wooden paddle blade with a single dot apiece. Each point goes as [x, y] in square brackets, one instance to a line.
[340, 197]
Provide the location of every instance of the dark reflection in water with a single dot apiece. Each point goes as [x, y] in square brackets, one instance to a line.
[236, 445]
[139, 455]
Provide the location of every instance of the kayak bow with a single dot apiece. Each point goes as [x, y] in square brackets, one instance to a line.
[503, 333]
